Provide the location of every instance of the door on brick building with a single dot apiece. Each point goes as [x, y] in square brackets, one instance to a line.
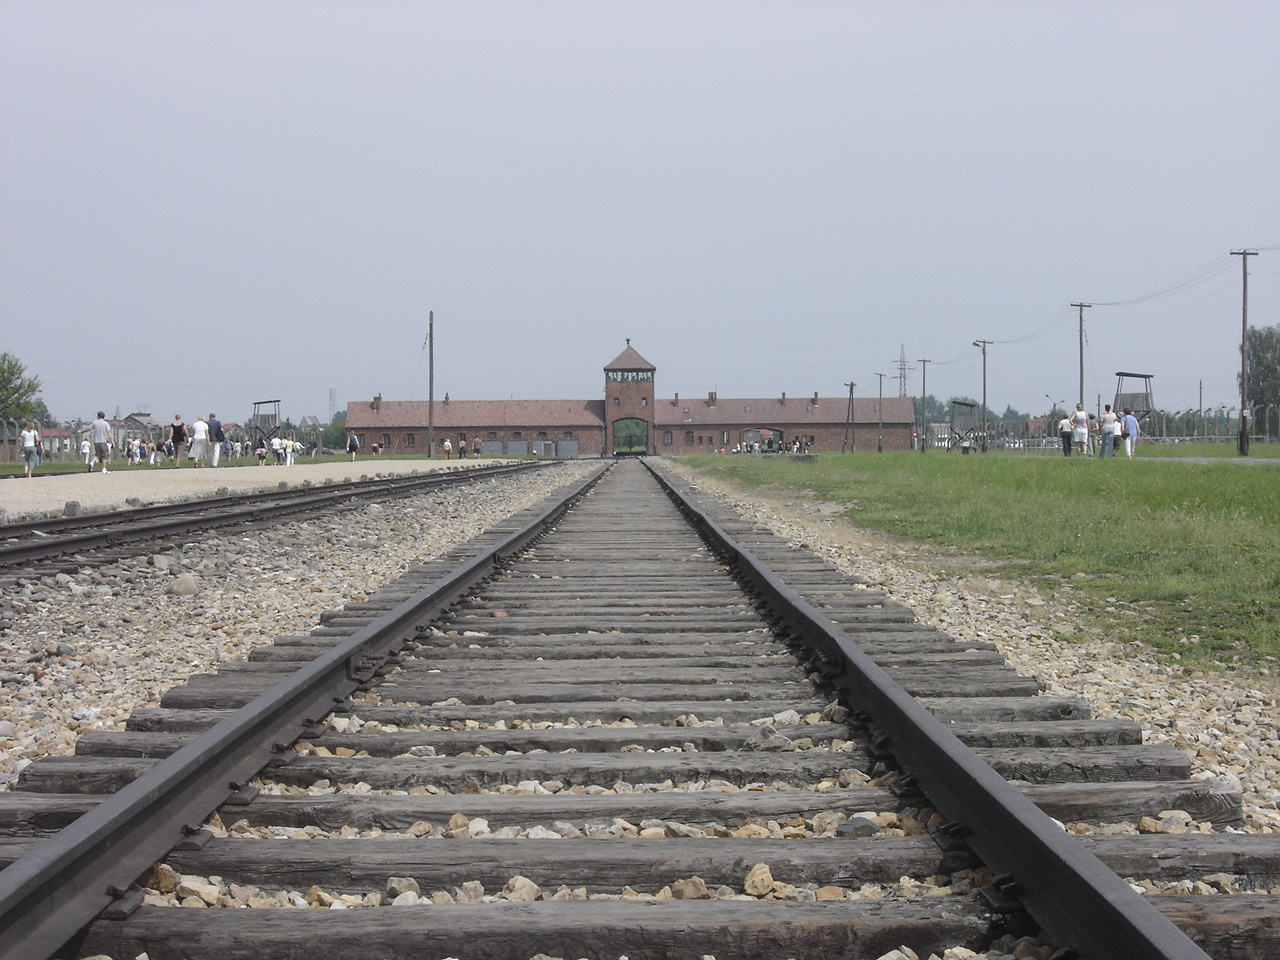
[630, 437]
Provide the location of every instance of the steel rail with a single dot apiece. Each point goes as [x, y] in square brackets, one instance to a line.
[140, 523]
[90, 866]
[1083, 906]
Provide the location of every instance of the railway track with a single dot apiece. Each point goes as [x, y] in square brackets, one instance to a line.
[43, 546]
[619, 737]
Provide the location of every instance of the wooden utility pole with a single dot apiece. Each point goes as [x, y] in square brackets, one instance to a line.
[880, 417]
[1242, 445]
[983, 344]
[1081, 307]
[431, 385]
[924, 404]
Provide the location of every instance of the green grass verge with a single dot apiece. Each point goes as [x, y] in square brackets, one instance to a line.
[1192, 549]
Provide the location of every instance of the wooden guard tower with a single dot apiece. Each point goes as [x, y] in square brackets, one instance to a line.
[1139, 401]
[964, 426]
[265, 422]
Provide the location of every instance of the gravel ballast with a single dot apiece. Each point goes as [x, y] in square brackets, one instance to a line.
[80, 651]
[1226, 721]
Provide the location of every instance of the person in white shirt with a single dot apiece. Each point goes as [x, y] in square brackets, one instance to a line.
[1080, 430]
[30, 447]
[101, 432]
[1107, 433]
[1129, 432]
[200, 442]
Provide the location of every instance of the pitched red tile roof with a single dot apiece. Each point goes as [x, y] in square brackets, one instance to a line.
[629, 359]
[453, 414]
[795, 410]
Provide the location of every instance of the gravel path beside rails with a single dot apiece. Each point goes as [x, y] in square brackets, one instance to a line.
[81, 652]
[1227, 721]
[40, 496]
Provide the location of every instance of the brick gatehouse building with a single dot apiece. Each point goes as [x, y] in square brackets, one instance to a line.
[631, 419]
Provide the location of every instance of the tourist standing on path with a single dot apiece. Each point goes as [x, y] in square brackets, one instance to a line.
[448, 449]
[1107, 435]
[177, 438]
[100, 430]
[353, 444]
[30, 447]
[216, 437]
[1129, 432]
[1080, 430]
[1065, 431]
[86, 452]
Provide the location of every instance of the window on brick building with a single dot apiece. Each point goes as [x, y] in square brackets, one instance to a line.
[408, 440]
[542, 434]
[517, 434]
[699, 440]
[688, 436]
[493, 435]
[386, 440]
[644, 401]
[667, 438]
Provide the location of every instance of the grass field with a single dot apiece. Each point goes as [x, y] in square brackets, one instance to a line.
[1193, 548]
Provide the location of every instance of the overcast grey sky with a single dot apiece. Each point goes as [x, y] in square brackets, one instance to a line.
[204, 204]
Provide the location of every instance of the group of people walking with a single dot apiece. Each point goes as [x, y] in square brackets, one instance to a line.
[202, 443]
[1076, 428]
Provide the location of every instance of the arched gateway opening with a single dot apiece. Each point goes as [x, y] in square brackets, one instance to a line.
[769, 438]
[630, 437]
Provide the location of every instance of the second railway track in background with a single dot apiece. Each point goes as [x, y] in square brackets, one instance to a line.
[629, 722]
[36, 547]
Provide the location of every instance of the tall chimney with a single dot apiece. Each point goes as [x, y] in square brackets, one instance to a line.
[377, 403]
[711, 398]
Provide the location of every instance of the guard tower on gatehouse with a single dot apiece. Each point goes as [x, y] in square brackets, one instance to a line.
[628, 405]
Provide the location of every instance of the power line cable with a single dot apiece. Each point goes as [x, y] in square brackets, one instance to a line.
[1207, 272]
